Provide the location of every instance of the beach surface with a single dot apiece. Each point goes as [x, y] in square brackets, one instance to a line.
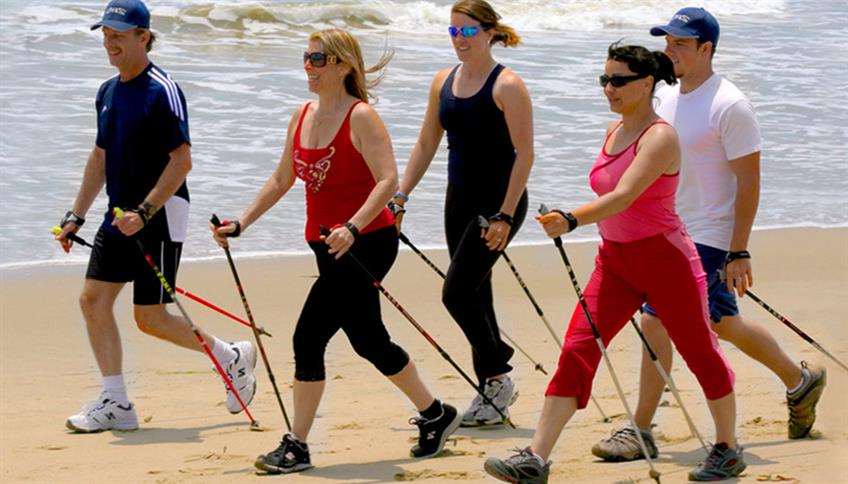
[361, 434]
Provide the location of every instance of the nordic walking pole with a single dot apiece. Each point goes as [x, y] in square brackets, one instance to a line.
[376, 282]
[405, 240]
[217, 223]
[536, 365]
[74, 237]
[532, 299]
[794, 328]
[484, 224]
[670, 383]
[200, 300]
[654, 474]
[253, 423]
[194, 297]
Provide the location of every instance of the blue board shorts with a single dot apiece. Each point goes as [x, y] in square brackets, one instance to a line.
[721, 301]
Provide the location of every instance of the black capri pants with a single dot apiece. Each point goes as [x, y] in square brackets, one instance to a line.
[467, 291]
[344, 297]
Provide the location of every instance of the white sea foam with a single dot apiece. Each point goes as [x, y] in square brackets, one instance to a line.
[240, 68]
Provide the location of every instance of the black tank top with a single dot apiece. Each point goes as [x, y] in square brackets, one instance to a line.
[480, 151]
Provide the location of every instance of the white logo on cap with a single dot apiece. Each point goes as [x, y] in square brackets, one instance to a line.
[118, 10]
[682, 18]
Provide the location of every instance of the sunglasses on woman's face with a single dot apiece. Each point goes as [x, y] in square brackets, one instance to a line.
[467, 31]
[318, 59]
[619, 81]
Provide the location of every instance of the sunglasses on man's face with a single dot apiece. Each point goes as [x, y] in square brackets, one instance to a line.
[467, 31]
[318, 59]
[619, 81]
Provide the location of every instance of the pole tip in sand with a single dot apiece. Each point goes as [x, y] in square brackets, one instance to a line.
[255, 427]
[655, 475]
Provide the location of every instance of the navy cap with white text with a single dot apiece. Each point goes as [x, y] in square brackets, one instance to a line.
[690, 23]
[123, 15]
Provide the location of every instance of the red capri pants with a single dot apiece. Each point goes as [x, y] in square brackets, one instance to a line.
[665, 271]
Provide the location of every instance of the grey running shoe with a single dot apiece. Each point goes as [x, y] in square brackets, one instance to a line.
[432, 434]
[108, 414]
[240, 372]
[623, 445]
[525, 467]
[502, 393]
[722, 463]
[802, 404]
[291, 455]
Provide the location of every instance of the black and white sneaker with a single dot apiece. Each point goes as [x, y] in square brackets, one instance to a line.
[240, 371]
[292, 455]
[433, 433]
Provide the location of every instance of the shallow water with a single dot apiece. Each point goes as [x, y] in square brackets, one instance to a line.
[239, 66]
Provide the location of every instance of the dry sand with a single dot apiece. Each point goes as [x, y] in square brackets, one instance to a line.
[361, 434]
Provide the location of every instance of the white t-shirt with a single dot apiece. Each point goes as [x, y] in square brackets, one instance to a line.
[715, 123]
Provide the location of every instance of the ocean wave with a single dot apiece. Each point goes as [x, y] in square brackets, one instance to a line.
[425, 17]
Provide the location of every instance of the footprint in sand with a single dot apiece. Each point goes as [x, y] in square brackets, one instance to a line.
[776, 478]
[53, 447]
[431, 474]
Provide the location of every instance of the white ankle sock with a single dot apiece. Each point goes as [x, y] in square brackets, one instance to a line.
[222, 351]
[805, 377]
[114, 386]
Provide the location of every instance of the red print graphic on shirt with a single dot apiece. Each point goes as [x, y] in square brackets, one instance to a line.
[314, 174]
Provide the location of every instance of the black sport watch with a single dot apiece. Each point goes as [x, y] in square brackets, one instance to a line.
[70, 216]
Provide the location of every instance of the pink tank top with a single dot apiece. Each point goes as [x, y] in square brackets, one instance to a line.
[651, 213]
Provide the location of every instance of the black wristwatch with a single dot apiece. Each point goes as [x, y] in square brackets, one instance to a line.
[737, 254]
[569, 217]
[353, 230]
[70, 216]
[502, 217]
[395, 208]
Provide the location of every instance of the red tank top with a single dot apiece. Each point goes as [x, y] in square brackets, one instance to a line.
[337, 180]
[651, 213]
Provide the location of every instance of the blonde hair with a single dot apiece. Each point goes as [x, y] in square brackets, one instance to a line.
[481, 11]
[343, 45]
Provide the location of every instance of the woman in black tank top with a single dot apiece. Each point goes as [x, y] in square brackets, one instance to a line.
[487, 113]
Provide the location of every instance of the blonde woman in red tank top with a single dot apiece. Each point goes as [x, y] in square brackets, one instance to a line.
[645, 256]
[338, 146]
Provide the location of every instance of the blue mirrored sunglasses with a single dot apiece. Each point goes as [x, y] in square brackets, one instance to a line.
[467, 31]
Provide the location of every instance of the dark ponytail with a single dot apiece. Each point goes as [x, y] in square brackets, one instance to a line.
[665, 69]
[644, 62]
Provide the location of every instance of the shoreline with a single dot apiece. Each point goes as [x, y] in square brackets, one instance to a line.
[361, 434]
[12, 267]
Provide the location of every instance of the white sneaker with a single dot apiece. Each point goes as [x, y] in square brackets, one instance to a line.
[90, 405]
[105, 414]
[502, 393]
[240, 372]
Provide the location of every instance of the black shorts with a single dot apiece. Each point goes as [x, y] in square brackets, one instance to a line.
[116, 258]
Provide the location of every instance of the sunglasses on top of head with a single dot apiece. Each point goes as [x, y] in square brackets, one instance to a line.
[468, 30]
[619, 81]
[318, 59]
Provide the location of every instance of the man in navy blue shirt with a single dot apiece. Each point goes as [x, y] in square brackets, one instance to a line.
[142, 154]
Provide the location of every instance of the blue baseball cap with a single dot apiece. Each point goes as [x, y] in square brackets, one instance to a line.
[690, 23]
[123, 15]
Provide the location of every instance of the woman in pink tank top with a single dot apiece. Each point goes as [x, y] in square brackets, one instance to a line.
[337, 145]
[645, 256]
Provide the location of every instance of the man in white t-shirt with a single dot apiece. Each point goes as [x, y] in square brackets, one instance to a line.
[717, 200]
